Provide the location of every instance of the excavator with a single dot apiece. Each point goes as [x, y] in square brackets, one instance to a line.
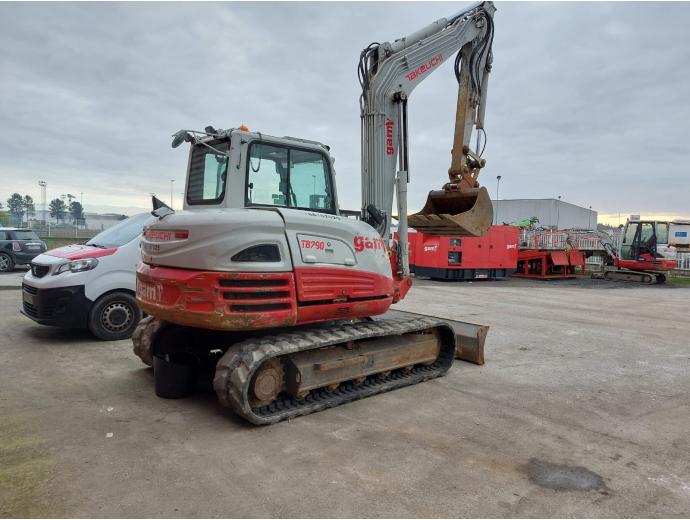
[642, 254]
[261, 268]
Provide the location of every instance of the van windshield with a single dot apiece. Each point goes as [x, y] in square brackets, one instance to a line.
[122, 233]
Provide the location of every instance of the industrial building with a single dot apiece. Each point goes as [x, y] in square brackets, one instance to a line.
[552, 213]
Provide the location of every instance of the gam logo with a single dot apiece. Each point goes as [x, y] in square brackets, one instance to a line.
[389, 137]
[361, 243]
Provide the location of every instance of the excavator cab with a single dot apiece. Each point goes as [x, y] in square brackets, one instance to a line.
[641, 239]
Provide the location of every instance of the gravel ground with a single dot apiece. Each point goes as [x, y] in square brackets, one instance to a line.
[581, 410]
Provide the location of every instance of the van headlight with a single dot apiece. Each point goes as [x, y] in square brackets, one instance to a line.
[77, 266]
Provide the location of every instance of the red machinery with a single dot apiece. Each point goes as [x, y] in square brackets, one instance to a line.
[548, 255]
[493, 255]
[642, 254]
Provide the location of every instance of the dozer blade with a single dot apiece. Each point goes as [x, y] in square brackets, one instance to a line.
[466, 213]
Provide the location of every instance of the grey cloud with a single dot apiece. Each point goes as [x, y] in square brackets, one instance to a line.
[588, 101]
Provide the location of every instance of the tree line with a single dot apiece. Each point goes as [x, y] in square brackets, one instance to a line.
[20, 208]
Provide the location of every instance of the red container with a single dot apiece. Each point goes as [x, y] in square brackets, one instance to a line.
[494, 255]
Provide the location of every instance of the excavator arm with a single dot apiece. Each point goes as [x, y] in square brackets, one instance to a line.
[388, 74]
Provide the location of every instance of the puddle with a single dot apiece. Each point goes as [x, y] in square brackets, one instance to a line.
[562, 477]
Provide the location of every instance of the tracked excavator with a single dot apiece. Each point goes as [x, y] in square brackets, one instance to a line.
[642, 255]
[260, 270]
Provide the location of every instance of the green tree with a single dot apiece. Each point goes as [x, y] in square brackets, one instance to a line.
[15, 207]
[57, 209]
[76, 212]
[29, 207]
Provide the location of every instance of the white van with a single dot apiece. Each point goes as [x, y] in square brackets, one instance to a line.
[89, 286]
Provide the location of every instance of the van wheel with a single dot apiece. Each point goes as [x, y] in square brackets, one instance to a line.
[6, 263]
[114, 316]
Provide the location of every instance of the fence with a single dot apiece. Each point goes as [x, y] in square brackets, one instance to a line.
[546, 239]
[683, 261]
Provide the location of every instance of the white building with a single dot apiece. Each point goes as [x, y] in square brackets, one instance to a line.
[101, 221]
[552, 213]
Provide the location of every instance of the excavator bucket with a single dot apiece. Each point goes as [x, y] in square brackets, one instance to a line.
[466, 213]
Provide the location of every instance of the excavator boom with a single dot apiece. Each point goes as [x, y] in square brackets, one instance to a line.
[388, 74]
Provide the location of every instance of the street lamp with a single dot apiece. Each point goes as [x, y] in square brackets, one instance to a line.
[43, 185]
[171, 193]
[498, 181]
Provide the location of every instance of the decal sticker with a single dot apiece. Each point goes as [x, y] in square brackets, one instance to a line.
[361, 243]
[389, 137]
[149, 292]
[426, 67]
[323, 215]
[313, 244]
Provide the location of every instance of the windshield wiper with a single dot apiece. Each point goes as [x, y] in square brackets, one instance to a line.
[96, 245]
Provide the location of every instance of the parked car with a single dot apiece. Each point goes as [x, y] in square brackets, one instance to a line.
[18, 246]
[90, 285]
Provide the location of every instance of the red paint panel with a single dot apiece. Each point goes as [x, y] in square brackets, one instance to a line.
[495, 250]
[559, 258]
[576, 257]
[339, 311]
[216, 300]
[251, 301]
[332, 283]
[79, 252]
[661, 264]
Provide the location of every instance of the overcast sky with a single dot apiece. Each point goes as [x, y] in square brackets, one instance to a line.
[587, 101]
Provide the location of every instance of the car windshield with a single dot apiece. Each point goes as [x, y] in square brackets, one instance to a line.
[122, 233]
[25, 235]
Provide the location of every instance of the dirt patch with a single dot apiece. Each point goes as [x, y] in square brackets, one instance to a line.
[25, 468]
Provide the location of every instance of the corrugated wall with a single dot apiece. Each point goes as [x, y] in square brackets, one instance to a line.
[550, 212]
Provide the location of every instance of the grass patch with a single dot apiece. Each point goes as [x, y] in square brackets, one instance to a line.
[679, 280]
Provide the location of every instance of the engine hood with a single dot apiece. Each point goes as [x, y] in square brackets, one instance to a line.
[79, 252]
[208, 239]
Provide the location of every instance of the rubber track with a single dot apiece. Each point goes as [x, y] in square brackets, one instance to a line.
[624, 276]
[235, 369]
[142, 338]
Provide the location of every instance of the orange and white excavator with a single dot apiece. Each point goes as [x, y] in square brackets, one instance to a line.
[261, 266]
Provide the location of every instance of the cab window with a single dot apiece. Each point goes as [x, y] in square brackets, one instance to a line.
[208, 171]
[289, 177]
[662, 233]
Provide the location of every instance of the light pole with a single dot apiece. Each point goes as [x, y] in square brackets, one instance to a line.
[43, 185]
[498, 181]
[171, 193]
[558, 211]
